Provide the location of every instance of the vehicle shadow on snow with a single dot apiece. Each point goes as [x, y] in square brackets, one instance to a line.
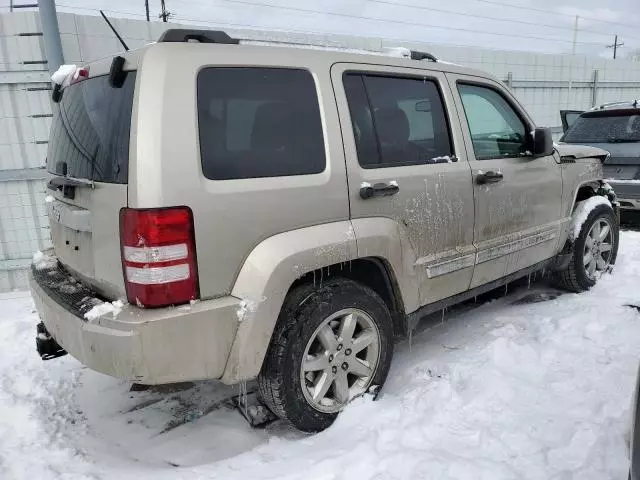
[630, 221]
[195, 423]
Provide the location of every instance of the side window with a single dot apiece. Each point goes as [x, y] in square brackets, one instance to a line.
[496, 128]
[397, 121]
[259, 122]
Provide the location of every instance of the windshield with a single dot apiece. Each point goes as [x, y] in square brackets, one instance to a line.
[605, 127]
[90, 132]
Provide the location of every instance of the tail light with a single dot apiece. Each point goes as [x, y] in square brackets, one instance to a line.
[159, 256]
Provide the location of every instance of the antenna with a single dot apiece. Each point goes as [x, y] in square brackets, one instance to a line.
[114, 31]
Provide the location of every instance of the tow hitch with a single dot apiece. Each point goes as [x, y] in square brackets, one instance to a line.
[47, 347]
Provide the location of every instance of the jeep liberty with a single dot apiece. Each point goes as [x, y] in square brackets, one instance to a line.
[226, 210]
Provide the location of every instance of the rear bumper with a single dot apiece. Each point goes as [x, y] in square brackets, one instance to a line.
[146, 346]
[627, 193]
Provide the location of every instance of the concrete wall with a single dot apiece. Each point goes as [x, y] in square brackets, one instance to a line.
[544, 83]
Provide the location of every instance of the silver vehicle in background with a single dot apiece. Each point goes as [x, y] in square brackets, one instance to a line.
[614, 127]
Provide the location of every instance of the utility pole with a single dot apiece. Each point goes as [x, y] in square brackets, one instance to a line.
[165, 14]
[146, 8]
[615, 46]
[575, 35]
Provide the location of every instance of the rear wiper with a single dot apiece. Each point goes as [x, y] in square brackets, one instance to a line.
[68, 185]
[56, 182]
[622, 140]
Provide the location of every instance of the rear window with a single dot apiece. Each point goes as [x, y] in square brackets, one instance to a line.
[259, 122]
[605, 127]
[90, 133]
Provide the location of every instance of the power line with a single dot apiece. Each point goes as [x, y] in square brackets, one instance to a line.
[486, 17]
[262, 28]
[122, 12]
[398, 22]
[539, 10]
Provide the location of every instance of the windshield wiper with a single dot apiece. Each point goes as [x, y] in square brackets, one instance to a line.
[68, 185]
[56, 182]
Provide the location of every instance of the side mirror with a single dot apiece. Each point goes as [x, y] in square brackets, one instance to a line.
[542, 142]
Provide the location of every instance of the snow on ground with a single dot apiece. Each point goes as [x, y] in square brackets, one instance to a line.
[506, 390]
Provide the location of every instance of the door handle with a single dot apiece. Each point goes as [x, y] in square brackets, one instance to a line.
[386, 189]
[489, 177]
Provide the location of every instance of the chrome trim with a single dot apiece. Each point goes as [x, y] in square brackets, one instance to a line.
[511, 247]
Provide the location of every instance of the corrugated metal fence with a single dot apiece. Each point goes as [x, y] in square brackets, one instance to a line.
[544, 83]
[25, 118]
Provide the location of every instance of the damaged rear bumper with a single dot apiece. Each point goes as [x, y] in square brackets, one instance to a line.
[149, 346]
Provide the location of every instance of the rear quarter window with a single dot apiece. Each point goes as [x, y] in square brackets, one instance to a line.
[259, 122]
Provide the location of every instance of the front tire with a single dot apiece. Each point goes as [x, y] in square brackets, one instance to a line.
[594, 251]
[331, 344]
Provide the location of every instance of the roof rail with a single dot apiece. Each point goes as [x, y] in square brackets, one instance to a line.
[416, 55]
[604, 106]
[180, 35]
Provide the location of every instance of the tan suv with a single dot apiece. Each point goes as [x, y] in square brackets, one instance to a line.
[223, 210]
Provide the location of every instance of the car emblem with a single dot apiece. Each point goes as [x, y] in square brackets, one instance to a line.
[618, 170]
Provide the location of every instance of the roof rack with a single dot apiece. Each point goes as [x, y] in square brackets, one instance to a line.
[181, 35]
[633, 104]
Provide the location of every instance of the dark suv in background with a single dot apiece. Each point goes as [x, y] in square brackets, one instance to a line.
[614, 127]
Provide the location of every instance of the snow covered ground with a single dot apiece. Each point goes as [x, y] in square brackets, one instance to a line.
[506, 390]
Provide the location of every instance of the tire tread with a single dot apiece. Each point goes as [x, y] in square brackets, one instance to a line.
[297, 307]
[570, 278]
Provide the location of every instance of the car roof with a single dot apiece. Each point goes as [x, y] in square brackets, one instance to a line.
[176, 40]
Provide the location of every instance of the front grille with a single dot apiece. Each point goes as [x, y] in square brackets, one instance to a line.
[68, 292]
[627, 190]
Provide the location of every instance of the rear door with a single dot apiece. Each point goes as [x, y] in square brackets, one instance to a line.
[517, 197]
[406, 162]
[88, 156]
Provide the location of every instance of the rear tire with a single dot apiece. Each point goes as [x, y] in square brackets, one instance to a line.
[317, 361]
[594, 251]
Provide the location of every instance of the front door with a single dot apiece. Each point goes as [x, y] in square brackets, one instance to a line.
[406, 163]
[517, 196]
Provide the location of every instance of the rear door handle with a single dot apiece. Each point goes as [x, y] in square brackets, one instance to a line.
[386, 189]
[489, 177]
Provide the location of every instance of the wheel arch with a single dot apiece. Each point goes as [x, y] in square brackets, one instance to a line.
[374, 272]
[283, 261]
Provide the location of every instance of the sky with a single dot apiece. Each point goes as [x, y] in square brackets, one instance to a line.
[532, 25]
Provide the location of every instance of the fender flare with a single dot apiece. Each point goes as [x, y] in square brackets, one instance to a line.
[264, 280]
[276, 263]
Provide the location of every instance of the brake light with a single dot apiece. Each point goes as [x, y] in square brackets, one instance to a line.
[79, 75]
[159, 256]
